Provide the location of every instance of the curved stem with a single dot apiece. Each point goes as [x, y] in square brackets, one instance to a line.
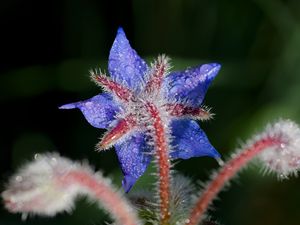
[225, 174]
[110, 199]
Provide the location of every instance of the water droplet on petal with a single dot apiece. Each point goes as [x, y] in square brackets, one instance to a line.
[205, 68]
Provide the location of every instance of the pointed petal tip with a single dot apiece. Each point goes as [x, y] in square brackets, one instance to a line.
[124, 64]
[211, 69]
[191, 141]
[68, 106]
[219, 161]
[128, 182]
[120, 30]
[214, 154]
[216, 66]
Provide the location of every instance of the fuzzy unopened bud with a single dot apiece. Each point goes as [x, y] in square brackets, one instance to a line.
[278, 147]
[283, 158]
[36, 189]
[50, 184]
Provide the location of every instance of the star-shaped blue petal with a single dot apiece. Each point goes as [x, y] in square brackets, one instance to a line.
[124, 64]
[134, 156]
[99, 110]
[190, 140]
[191, 84]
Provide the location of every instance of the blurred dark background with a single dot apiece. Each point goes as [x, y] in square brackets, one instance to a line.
[47, 48]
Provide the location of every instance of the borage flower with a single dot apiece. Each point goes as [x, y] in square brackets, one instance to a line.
[135, 95]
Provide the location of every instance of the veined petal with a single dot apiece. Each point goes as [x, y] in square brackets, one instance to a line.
[191, 84]
[99, 110]
[190, 141]
[125, 65]
[134, 157]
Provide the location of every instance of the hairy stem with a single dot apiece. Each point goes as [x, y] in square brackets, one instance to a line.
[110, 199]
[162, 154]
[225, 174]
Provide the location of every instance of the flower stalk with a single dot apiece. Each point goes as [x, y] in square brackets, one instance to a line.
[50, 184]
[162, 154]
[114, 203]
[278, 139]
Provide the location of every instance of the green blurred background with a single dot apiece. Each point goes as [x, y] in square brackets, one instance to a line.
[47, 48]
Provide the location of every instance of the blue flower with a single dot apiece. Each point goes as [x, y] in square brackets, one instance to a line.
[121, 109]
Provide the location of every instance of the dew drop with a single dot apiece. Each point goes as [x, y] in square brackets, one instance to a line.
[19, 178]
[37, 156]
[205, 68]
[53, 161]
[282, 176]
[24, 216]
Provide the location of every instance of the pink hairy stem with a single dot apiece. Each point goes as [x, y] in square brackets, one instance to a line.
[110, 199]
[225, 174]
[162, 154]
